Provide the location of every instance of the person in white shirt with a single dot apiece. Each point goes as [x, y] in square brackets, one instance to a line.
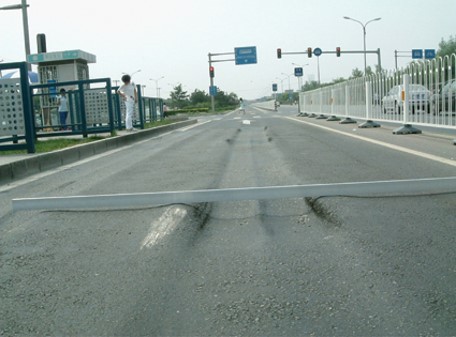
[63, 109]
[128, 93]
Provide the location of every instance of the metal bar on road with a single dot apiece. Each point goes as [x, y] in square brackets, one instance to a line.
[358, 189]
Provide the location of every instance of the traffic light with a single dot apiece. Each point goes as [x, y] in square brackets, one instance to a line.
[211, 72]
[338, 51]
[309, 52]
[279, 53]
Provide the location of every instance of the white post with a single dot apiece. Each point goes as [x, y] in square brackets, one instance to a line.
[347, 98]
[405, 97]
[368, 100]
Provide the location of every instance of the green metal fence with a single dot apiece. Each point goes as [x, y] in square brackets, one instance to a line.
[90, 108]
[147, 110]
[29, 112]
[16, 117]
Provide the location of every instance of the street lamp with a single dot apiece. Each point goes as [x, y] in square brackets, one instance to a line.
[364, 36]
[156, 85]
[131, 75]
[23, 6]
[289, 84]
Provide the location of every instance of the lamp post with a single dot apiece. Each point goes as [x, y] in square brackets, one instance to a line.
[364, 36]
[281, 83]
[131, 75]
[156, 85]
[289, 83]
[23, 6]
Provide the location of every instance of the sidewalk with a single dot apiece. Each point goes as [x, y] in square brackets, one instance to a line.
[14, 167]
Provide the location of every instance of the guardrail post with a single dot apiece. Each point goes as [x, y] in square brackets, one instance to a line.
[369, 123]
[347, 120]
[110, 107]
[83, 110]
[406, 129]
[140, 107]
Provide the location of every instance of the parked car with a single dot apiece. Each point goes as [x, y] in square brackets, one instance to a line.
[419, 99]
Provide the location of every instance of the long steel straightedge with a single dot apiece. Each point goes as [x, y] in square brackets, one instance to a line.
[358, 189]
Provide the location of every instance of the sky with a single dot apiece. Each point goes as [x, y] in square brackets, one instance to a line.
[172, 38]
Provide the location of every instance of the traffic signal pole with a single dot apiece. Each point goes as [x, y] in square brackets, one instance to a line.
[210, 55]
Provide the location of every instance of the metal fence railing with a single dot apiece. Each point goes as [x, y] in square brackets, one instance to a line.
[89, 103]
[147, 110]
[16, 118]
[429, 99]
[29, 112]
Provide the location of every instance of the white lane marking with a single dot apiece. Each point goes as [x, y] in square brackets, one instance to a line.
[164, 225]
[246, 122]
[237, 118]
[256, 116]
[193, 126]
[387, 145]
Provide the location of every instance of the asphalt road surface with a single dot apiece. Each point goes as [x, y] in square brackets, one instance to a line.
[382, 266]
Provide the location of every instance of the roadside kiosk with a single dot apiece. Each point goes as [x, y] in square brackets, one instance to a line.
[59, 66]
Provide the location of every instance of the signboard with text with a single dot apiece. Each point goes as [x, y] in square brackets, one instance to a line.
[245, 55]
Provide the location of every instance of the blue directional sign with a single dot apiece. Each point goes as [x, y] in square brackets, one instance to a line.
[417, 53]
[429, 54]
[213, 90]
[298, 71]
[245, 55]
[318, 52]
[274, 87]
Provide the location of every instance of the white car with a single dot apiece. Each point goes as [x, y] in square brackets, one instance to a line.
[419, 98]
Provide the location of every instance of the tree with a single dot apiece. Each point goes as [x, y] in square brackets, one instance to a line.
[310, 86]
[356, 73]
[224, 100]
[199, 97]
[446, 48]
[179, 97]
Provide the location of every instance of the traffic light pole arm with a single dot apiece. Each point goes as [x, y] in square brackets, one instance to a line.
[293, 52]
[332, 52]
[229, 60]
[220, 54]
[341, 52]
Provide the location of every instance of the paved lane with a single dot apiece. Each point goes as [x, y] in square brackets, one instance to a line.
[330, 266]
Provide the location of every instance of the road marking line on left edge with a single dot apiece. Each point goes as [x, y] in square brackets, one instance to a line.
[387, 145]
[38, 176]
[193, 126]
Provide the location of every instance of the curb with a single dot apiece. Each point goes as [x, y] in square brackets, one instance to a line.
[47, 161]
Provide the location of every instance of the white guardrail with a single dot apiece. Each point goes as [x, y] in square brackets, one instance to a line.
[423, 94]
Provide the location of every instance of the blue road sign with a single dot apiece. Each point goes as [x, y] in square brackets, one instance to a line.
[429, 54]
[245, 55]
[417, 53]
[213, 90]
[274, 87]
[298, 71]
[318, 52]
